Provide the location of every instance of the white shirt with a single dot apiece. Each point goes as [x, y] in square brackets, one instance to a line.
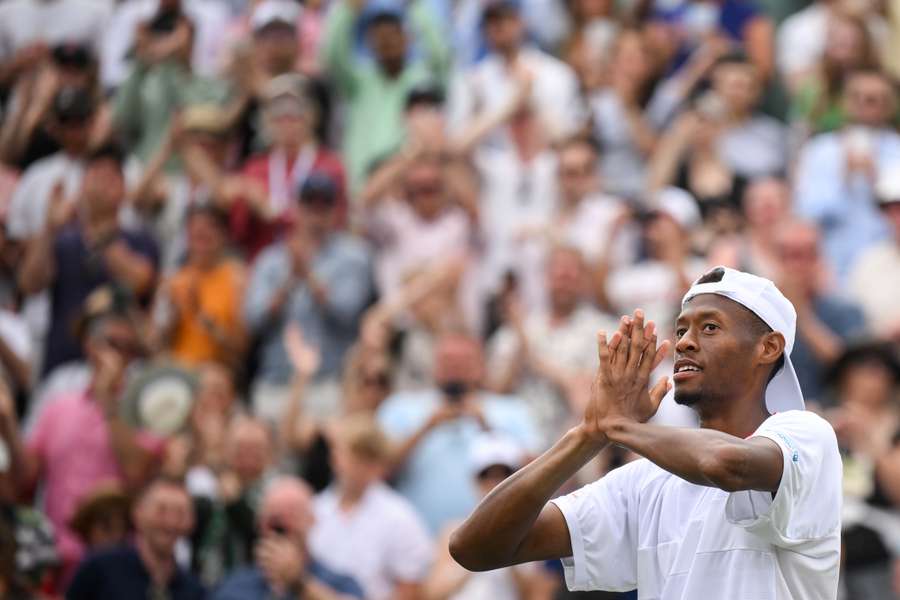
[488, 87]
[382, 541]
[643, 527]
[24, 22]
[31, 199]
[875, 285]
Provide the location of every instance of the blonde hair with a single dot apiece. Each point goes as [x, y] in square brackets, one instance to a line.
[364, 438]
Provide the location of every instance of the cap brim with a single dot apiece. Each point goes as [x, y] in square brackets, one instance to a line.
[783, 392]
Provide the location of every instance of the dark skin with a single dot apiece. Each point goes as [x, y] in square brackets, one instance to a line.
[516, 523]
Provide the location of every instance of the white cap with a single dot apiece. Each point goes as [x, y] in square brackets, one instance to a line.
[762, 298]
[490, 449]
[680, 205]
[887, 186]
[274, 11]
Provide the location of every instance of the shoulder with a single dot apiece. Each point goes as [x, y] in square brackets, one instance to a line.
[350, 247]
[241, 580]
[342, 584]
[256, 166]
[117, 559]
[272, 255]
[795, 429]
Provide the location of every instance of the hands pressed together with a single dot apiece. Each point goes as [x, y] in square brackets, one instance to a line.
[620, 390]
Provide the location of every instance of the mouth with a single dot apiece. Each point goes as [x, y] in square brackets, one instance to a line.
[685, 370]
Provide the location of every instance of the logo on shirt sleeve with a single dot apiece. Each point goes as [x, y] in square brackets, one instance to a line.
[795, 454]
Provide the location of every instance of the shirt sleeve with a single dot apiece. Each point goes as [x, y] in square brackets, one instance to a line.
[807, 504]
[602, 527]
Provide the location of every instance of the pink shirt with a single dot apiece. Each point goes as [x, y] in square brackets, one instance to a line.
[72, 441]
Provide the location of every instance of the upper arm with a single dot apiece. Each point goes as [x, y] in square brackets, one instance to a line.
[548, 539]
[753, 464]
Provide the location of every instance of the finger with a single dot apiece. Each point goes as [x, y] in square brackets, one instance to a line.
[661, 354]
[658, 392]
[620, 356]
[638, 341]
[647, 358]
[602, 348]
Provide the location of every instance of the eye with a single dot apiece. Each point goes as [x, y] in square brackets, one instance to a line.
[709, 327]
[680, 332]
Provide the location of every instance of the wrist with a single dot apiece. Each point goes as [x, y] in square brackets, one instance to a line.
[616, 428]
[587, 438]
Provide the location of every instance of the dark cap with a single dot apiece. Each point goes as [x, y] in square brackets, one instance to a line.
[498, 8]
[865, 353]
[319, 188]
[73, 105]
[427, 93]
[382, 11]
[73, 55]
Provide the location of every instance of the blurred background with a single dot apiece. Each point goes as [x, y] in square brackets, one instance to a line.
[286, 287]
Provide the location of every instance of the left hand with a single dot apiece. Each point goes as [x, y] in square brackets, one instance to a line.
[620, 389]
[109, 378]
[281, 560]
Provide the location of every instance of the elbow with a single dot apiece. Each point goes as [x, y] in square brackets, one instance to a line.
[469, 553]
[726, 467]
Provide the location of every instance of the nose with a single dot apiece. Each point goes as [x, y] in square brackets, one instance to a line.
[687, 342]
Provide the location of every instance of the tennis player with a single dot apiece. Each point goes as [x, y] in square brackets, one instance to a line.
[746, 507]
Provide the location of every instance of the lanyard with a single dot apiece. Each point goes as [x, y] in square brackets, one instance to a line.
[283, 185]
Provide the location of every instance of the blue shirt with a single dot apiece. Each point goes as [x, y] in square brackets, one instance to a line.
[841, 204]
[249, 584]
[437, 478]
[119, 574]
[343, 267]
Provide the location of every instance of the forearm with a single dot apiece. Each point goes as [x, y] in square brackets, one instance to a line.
[23, 467]
[135, 462]
[496, 534]
[132, 269]
[39, 265]
[701, 456]
[824, 343]
[19, 370]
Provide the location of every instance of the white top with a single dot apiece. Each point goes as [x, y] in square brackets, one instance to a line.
[381, 542]
[875, 285]
[24, 22]
[643, 527]
[31, 200]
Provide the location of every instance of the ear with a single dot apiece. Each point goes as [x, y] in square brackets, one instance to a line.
[771, 347]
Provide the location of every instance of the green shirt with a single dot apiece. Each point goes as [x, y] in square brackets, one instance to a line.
[374, 116]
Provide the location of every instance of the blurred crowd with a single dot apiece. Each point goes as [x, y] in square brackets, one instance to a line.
[287, 286]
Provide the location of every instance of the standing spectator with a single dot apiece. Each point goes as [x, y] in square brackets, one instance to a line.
[284, 568]
[435, 427]
[836, 171]
[875, 278]
[375, 93]
[491, 84]
[544, 357]
[824, 320]
[492, 459]
[204, 297]
[363, 528]
[146, 569]
[291, 121]
[80, 439]
[83, 246]
[316, 277]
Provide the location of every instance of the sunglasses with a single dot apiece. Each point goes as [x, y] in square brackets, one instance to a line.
[495, 472]
[381, 380]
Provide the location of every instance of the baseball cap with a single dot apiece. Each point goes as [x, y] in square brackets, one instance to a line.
[492, 449]
[205, 118]
[269, 12]
[73, 55]
[286, 94]
[382, 10]
[887, 186]
[319, 188]
[497, 8]
[679, 205]
[765, 300]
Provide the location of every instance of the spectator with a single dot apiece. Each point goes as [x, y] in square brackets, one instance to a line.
[817, 101]
[658, 282]
[492, 459]
[363, 528]
[102, 519]
[204, 297]
[824, 320]
[713, 150]
[283, 566]
[544, 357]
[875, 278]
[435, 427]
[82, 247]
[318, 278]
[494, 81]
[80, 440]
[374, 94]
[867, 379]
[161, 81]
[73, 112]
[835, 171]
[227, 503]
[291, 120]
[147, 568]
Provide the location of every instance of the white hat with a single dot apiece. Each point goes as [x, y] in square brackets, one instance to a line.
[491, 449]
[760, 296]
[680, 205]
[274, 11]
[887, 186]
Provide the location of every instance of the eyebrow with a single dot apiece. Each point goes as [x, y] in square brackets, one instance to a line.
[702, 313]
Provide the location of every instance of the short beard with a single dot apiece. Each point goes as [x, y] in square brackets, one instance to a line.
[688, 398]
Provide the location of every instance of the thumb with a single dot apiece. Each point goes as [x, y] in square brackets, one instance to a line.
[658, 392]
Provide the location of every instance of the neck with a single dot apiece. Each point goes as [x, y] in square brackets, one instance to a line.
[509, 55]
[96, 227]
[159, 566]
[561, 312]
[392, 68]
[350, 496]
[739, 419]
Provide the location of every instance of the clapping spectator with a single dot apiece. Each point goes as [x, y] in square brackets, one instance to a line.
[283, 566]
[363, 528]
[146, 568]
[82, 247]
[836, 171]
[317, 277]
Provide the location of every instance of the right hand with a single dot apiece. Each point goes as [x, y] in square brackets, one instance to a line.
[446, 412]
[305, 358]
[62, 209]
